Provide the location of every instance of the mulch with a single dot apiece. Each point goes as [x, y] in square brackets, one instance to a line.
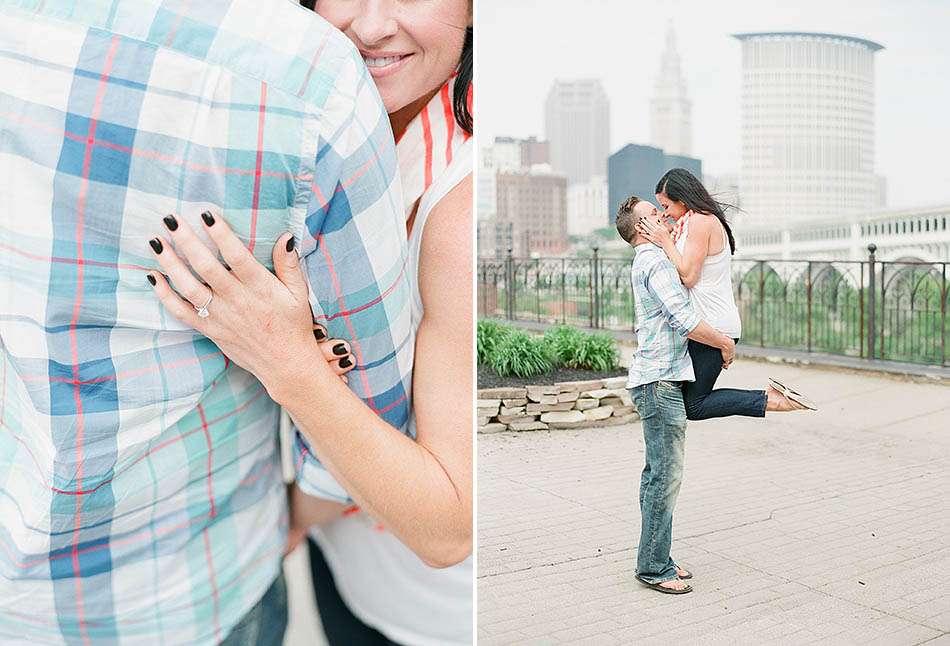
[488, 379]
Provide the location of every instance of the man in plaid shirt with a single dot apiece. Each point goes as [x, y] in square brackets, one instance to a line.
[665, 320]
[141, 498]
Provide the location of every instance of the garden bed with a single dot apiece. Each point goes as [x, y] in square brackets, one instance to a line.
[488, 379]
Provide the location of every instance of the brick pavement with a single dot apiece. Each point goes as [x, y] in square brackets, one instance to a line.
[830, 527]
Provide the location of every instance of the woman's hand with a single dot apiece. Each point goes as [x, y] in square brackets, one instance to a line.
[260, 321]
[654, 232]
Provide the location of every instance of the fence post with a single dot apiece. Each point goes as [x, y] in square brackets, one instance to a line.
[872, 306]
[943, 317]
[537, 283]
[809, 305]
[761, 303]
[595, 285]
[510, 284]
[563, 290]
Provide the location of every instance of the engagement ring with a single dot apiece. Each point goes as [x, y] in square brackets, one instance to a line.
[203, 310]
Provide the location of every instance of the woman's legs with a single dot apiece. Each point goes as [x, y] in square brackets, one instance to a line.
[340, 625]
[702, 402]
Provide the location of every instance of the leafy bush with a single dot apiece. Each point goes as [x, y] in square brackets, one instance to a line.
[488, 335]
[597, 352]
[564, 343]
[521, 355]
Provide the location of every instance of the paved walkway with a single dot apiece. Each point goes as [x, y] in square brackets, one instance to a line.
[830, 527]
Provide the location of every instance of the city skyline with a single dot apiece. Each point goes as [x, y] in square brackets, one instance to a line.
[910, 66]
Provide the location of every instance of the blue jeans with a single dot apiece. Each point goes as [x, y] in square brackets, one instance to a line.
[660, 405]
[265, 623]
[702, 402]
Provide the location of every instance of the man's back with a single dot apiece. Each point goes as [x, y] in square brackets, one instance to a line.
[140, 490]
[664, 317]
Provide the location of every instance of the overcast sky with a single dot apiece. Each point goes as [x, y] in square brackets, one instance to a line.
[524, 45]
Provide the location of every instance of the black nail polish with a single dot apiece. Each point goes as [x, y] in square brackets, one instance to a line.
[319, 334]
[345, 362]
[151, 279]
[156, 245]
[208, 218]
[291, 244]
[170, 222]
[339, 349]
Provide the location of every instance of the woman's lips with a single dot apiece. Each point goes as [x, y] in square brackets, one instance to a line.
[384, 64]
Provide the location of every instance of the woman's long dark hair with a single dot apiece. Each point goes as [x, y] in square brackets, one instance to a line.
[460, 107]
[680, 185]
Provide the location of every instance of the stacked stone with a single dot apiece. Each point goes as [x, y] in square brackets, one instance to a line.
[570, 404]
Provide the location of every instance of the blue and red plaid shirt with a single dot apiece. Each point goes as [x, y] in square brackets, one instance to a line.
[141, 499]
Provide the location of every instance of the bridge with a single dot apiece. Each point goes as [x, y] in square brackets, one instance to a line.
[917, 235]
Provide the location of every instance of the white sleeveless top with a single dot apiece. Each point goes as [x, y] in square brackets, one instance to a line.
[712, 296]
[382, 581]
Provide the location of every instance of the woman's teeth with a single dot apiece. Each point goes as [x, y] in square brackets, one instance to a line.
[382, 62]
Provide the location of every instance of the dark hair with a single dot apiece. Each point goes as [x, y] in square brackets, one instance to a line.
[463, 81]
[680, 185]
[626, 222]
[461, 108]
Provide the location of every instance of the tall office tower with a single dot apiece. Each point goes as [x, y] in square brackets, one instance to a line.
[807, 130]
[535, 203]
[577, 125]
[635, 170]
[671, 124]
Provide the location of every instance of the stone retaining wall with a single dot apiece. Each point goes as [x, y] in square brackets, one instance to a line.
[571, 404]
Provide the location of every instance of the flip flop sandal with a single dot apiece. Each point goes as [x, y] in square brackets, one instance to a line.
[663, 589]
[794, 395]
[688, 575]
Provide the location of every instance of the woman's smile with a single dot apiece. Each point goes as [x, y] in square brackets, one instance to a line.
[382, 64]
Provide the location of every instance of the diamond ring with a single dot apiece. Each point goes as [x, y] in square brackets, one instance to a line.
[203, 310]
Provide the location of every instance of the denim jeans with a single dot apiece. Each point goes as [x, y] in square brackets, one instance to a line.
[702, 402]
[660, 405]
[265, 623]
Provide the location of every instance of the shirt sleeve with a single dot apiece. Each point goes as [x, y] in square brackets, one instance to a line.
[665, 283]
[354, 252]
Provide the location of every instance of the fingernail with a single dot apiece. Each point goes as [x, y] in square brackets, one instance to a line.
[345, 362]
[170, 222]
[156, 245]
[320, 334]
[339, 349]
[151, 279]
[291, 244]
[208, 218]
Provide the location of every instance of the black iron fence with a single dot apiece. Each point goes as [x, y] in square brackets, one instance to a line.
[868, 308]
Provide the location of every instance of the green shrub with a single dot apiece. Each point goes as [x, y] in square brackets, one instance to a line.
[520, 355]
[564, 343]
[598, 352]
[488, 335]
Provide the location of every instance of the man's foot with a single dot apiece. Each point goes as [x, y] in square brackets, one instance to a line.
[674, 586]
[683, 574]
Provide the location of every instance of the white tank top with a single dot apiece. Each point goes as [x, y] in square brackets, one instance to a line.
[382, 581]
[712, 296]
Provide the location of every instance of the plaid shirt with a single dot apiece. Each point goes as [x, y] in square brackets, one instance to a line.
[141, 498]
[664, 318]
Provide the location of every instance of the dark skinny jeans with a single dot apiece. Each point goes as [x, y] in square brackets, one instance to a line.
[702, 402]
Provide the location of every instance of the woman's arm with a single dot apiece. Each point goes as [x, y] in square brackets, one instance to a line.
[689, 264]
[420, 490]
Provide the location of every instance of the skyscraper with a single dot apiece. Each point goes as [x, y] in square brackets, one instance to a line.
[577, 125]
[807, 128]
[671, 125]
[635, 170]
